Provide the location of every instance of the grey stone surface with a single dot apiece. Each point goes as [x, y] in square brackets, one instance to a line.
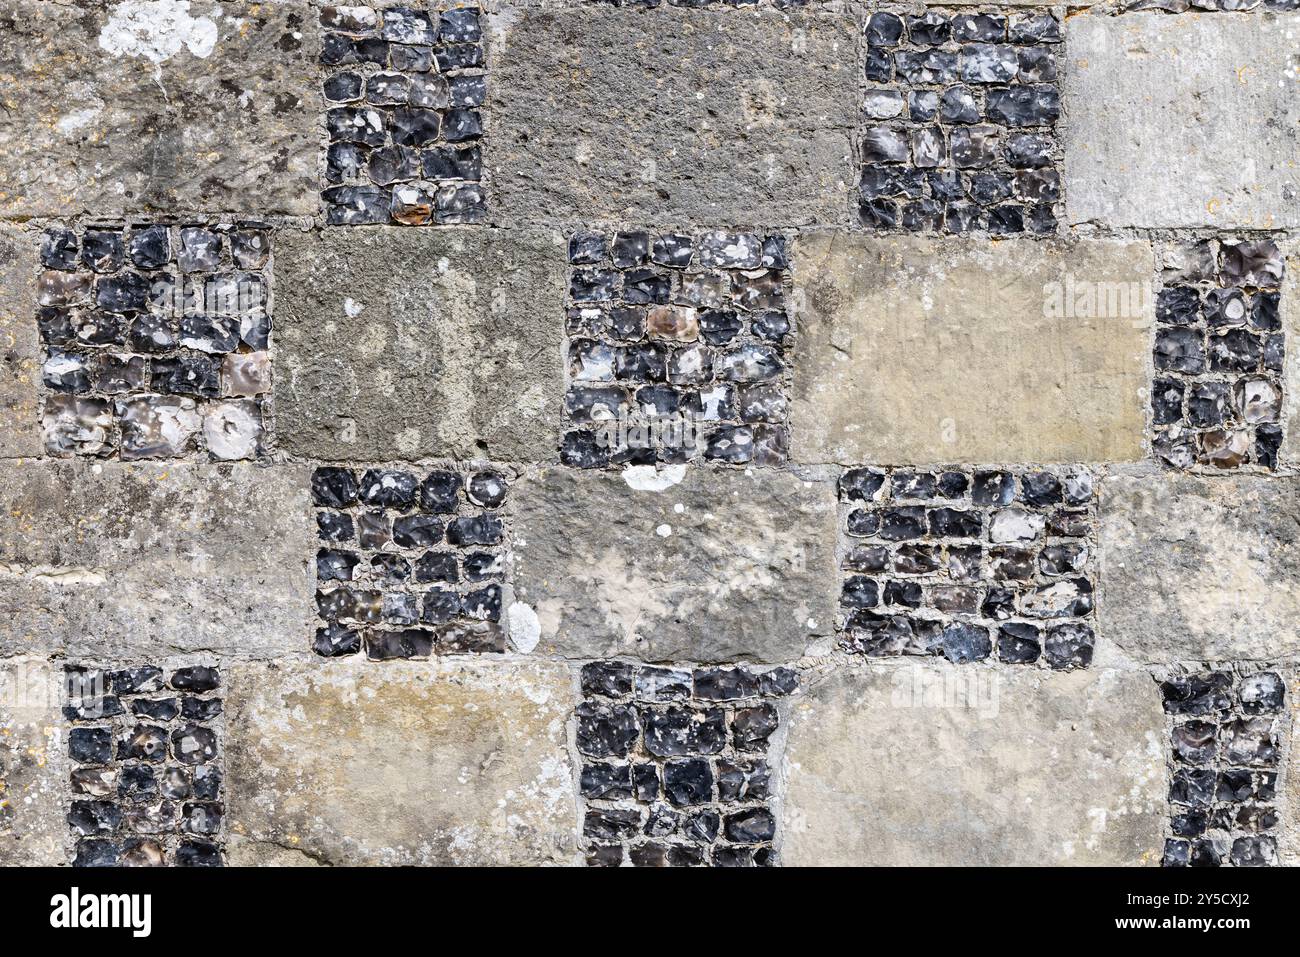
[724, 565]
[33, 764]
[1288, 842]
[114, 560]
[673, 116]
[1199, 568]
[454, 761]
[163, 105]
[927, 765]
[404, 343]
[917, 350]
[20, 348]
[1182, 120]
[1290, 452]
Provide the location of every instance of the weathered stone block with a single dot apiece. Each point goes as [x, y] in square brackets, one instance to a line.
[114, 560]
[918, 351]
[920, 765]
[408, 343]
[1182, 121]
[717, 565]
[160, 105]
[447, 762]
[1290, 453]
[20, 349]
[1200, 568]
[673, 115]
[33, 764]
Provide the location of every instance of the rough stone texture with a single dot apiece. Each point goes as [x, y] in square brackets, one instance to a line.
[673, 116]
[213, 107]
[1200, 569]
[1289, 785]
[121, 560]
[393, 343]
[453, 762]
[917, 351]
[912, 766]
[1290, 453]
[746, 569]
[19, 344]
[33, 764]
[1182, 121]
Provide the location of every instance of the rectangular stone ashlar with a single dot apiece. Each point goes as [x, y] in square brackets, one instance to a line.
[158, 107]
[1290, 452]
[673, 116]
[454, 761]
[931, 765]
[685, 564]
[395, 343]
[1181, 121]
[1199, 569]
[925, 351]
[20, 359]
[33, 764]
[123, 560]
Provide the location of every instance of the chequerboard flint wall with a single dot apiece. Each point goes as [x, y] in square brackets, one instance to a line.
[649, 434]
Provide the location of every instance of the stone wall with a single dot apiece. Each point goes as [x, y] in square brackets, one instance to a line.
[673, 432]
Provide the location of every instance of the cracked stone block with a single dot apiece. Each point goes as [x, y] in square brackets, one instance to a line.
[580, 117]
[685, 564]
[411, 343]
[912, 346]
[33, 764]
[1190, 567]
[211, 106]
[1182, 121]
[129, 559]
[913, 766]
[444, 762]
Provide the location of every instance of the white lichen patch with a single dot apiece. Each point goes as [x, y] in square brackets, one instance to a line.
[157, 30]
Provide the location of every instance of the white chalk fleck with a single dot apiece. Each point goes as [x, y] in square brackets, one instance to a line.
[646, 478]
[525, 626]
